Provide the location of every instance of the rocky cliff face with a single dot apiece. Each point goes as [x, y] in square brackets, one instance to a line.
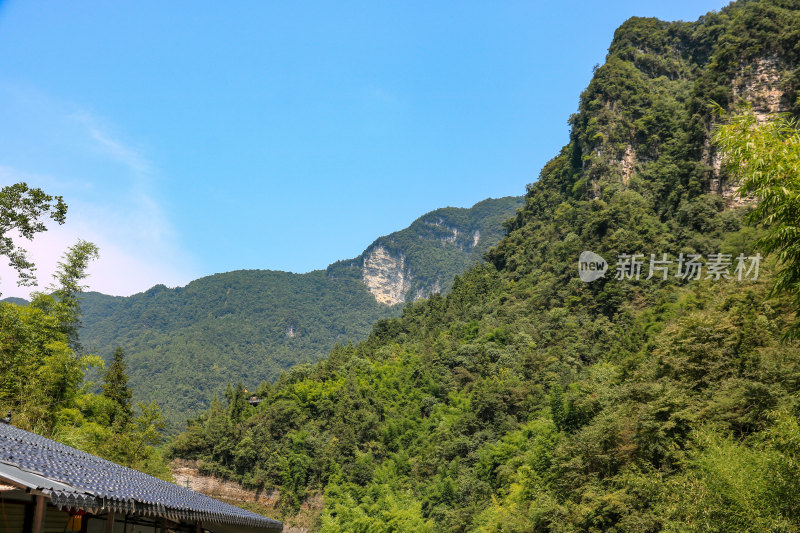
[391, 280]
[385, 276]
[653, 102]
[186, 474]
[760, 83]
[424, 258]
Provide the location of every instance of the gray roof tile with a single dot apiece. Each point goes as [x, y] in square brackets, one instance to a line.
[94, 483]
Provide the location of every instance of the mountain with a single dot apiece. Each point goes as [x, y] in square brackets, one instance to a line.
[529, 400]
[183, 344]
[15, 301]
[424, 258]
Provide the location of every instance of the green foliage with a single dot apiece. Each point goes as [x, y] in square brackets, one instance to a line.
[383, 510]
[39, 373]
[764, 159]
[527, 400]
[67, 287]
[184, 344]
[115, 388]
[42, 381]
[21, 209]
[739, 486]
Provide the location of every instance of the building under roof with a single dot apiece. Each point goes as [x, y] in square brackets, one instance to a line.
[48, 487]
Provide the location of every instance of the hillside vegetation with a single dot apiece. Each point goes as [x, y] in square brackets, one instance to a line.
[527, 400]
[42, 370]
[186, 343]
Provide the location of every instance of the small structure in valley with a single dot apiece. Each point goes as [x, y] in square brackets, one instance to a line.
[47, 486]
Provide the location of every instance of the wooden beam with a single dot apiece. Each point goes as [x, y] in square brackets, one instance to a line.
[38, 514]
[199, 527]
[163, 525]
[110, 522]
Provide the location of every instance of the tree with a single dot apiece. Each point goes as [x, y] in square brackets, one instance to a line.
[71, 271]
[764, 159]
[237, 401]
[144, 434]
[42, 370]
[557, 410]
[115, 388]
[22, 209]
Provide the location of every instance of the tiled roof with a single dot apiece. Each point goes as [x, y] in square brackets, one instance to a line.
[73, 478]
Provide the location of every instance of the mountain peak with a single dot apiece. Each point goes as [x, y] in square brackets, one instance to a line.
[423, 258]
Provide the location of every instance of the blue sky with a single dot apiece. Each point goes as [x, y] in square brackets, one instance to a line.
[198, 137]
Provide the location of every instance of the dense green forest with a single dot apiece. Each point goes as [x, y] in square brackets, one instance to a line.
[186, 343]
[528, 400]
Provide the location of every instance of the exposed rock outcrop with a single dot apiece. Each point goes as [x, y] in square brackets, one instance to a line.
[186, 474]
[759, 83]
[424, 258]
[425, 292]
[384, 276]
[627, 164]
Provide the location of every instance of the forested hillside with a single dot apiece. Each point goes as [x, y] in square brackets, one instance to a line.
[186, 343]
[529, 400]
